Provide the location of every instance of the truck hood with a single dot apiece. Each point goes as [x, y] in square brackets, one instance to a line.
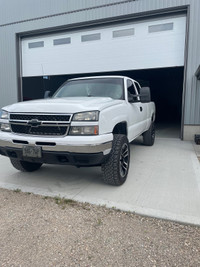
[63, 105]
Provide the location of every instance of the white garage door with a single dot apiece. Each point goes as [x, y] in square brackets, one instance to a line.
[142, 45]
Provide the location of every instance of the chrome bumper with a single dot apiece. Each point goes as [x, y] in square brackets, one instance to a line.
[92, 147]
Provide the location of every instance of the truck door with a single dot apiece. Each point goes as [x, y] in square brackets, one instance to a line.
[137, 113]
[145, 107]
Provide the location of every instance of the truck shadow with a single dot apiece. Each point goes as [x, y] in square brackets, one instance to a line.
[138, 141]
[59, 175]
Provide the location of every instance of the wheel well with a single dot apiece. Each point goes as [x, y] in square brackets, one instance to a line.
[120, 128]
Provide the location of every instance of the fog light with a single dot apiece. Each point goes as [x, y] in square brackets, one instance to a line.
[5, 127]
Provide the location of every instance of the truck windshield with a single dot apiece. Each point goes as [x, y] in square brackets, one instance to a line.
[97, 87]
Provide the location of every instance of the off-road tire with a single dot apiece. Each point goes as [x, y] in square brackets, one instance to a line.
[149, 136]
[25, 166]
[115, 169]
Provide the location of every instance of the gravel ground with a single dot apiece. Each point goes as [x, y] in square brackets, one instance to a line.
[40, 231]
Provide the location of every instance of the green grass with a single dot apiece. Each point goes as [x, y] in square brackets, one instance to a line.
[64, 201]
[17, 190]
[99, 222]
[45, 197]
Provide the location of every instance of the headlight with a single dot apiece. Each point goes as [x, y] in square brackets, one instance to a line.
[84, 130]
[86, 116]
[5, 127]
[4, 115]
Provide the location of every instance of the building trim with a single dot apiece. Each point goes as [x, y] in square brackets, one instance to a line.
[19, 67]
[185, 70]
[192, 125]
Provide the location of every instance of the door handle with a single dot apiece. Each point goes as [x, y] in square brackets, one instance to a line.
[141, 109]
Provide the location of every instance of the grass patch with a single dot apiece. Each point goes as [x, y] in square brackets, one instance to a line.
[99, 222]
[61, 201]
[64, 201]
[45, 197]
[85, 207]
[17, 190]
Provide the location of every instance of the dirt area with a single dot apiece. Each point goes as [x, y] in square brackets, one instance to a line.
[41, 231]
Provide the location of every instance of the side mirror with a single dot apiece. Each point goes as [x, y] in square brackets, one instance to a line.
[47, 94]
[145, 95]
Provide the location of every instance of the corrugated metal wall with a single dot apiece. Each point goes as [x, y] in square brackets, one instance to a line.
[27, 9]
[192, 97]
[27, 15]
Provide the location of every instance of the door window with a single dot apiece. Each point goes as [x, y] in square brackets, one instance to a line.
[132, 91]
[131, 88]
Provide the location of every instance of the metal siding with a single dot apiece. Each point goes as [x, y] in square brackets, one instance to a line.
[28, 9]
[8, 75]
[12, 11]
[192, 106]
[197, 102]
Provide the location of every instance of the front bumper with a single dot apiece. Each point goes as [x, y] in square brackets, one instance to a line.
[62, 158]
[74, 150]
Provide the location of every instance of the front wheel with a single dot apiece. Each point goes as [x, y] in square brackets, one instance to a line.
[25, 166]
[115, 169]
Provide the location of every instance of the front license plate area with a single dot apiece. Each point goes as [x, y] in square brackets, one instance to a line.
[32, 151]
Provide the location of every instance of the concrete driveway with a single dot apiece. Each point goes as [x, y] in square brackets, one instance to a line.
[163, 182]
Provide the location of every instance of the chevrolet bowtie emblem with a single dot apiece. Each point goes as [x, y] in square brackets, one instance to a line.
[34, 123]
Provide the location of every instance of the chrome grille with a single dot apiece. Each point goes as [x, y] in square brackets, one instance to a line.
[40, 124]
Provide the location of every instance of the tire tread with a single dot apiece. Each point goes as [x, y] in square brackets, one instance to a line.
[147, 136]
[111, 167]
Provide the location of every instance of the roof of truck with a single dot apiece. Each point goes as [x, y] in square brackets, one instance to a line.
[101, 77]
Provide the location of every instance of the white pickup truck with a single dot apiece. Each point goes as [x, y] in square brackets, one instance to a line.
[87, 122]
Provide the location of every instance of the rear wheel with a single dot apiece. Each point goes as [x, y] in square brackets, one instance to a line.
[115, 169]
[149, 136]
[25, 166]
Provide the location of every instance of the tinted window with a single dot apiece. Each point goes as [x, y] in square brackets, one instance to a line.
[123, 33]
[36, 44]
[161, 27]
[62, 41]
[131, 88]
[90, 37]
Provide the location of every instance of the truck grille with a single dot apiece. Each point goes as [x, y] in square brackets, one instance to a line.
[27, 117]
[40, 124]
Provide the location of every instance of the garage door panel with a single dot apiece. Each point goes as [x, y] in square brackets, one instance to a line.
[141, 49]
